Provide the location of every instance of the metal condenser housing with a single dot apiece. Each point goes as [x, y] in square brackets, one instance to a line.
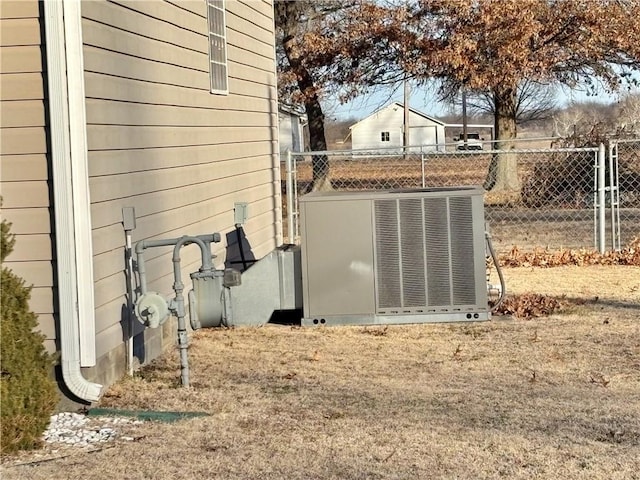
[393, 257]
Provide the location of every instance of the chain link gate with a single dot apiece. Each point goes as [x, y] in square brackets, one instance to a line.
[613, 189]
[627, 197]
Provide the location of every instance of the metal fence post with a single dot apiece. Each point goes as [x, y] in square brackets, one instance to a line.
[290, 206]
[614, 195]
[424, 184]
[601, 197]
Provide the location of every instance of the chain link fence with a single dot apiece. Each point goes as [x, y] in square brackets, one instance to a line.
[557, 197]
[625, 158]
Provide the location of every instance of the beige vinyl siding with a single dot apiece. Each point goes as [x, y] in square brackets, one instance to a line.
[15, 10]
[20, 58]
[146, 91]
[160, 142]
[25, 185]
[22, 86]
[143, 159]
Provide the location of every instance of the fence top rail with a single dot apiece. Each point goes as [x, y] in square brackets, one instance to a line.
[518, 150]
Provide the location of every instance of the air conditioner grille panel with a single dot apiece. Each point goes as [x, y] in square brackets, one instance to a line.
[387, 253]
[412, 252]
[424, 253]
[438, 252]
[461, 222]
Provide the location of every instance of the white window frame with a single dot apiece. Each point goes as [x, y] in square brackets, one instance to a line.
[218, 67]
[385, 136]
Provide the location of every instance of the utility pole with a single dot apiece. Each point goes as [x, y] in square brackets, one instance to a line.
[464, 117]
[406, 116]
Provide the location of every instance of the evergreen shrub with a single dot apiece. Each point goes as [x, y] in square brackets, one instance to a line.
[29, 395]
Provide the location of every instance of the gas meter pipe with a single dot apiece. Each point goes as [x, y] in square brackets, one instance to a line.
[176, 306]
[168, 242]
[179, 310]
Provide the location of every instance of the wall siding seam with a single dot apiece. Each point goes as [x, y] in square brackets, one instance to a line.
[143, 207]
[242, 48]
[190, 107]
[148, 59]
[196, 166]
[251, 6]
[164, 20]
[125, 168]
[183, 7]
[268, 25]
[164, 84]
[96, 72]
[141, 35]
[237, 27]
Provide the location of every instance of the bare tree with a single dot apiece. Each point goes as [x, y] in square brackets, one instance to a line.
[297, 83]
[535, 101]
[567, 121]
[628, 113]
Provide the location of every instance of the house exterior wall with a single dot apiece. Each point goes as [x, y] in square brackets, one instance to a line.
[24, 164]
[160, 142]
[367, 134]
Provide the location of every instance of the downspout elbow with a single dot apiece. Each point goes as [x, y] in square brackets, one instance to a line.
[77, 384]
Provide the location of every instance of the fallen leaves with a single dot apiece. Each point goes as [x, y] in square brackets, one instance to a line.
[599, 379]
[629, 255]
[376, 331]
[528, 305]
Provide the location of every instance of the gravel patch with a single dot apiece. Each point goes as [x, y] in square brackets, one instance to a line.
[79, 430]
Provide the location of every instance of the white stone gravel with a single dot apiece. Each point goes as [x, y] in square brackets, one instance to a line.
[80, 430]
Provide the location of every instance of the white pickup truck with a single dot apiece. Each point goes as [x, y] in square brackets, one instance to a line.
[474, 142]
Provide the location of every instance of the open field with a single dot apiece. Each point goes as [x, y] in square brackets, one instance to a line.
[549, 398]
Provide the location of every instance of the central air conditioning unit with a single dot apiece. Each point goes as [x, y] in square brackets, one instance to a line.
[366, 258]
[393, 257]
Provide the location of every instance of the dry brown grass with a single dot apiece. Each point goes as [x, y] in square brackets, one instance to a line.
[550, 398]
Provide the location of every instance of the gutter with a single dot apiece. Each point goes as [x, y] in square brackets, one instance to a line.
[63, 40]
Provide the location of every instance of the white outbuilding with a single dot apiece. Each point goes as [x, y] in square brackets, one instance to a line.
[291, 126]
[384, 129]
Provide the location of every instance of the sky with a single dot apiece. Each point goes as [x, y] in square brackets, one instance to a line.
[424, 100]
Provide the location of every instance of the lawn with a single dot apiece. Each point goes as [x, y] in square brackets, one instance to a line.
[556, 397]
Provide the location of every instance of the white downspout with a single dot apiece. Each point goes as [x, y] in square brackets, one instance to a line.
[74, 258]
[80, 180]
